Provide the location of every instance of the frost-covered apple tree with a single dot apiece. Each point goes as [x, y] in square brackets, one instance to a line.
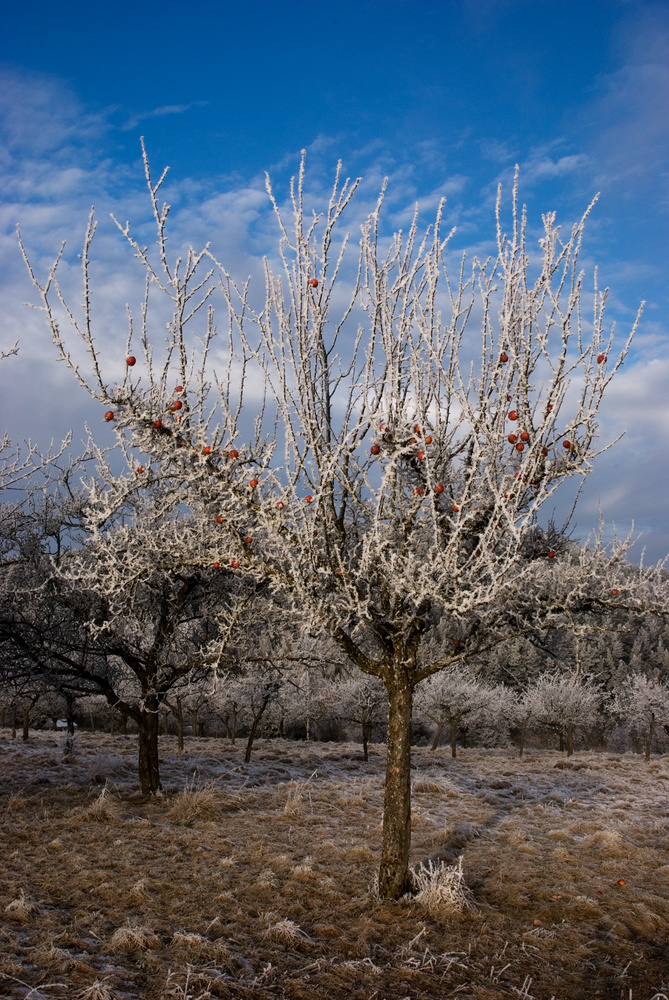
[411, 425]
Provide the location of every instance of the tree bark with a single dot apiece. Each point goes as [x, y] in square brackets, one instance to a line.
[149, 771]
[366, 735]
[394, 868]
[69, 714]
[454, 738]
[26, 723]
[437, 736]
[570, 740]
[649, 737]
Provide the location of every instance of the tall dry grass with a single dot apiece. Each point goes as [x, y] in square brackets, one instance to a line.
[532, 878]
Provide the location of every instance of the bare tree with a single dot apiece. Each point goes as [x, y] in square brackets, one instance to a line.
[363, 701]
[643, 703]
[565, 704]
[394, 472]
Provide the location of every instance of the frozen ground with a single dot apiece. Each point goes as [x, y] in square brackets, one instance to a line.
[257, 880]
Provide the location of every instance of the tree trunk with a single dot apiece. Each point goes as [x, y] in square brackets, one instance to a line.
[394, 868]
[178, 712]
[149, 774]
[13, 722]
[69, 714]
[437, 736]
[570, 740]
[366, 736]
[454, 738]
[26, 723]
[521, 741]
[649, 737]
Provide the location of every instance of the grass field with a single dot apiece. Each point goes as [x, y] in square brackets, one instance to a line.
[256, 881]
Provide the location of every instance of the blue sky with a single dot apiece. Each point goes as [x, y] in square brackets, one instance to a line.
[443, 98]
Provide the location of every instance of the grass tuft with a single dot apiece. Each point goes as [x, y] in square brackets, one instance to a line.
[133, 938]
[440, 887]
[22, 909]
[195, 803]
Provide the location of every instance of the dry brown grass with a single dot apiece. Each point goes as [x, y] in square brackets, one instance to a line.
[543, 878]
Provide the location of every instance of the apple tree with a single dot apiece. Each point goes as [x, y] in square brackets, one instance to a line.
[408, 420]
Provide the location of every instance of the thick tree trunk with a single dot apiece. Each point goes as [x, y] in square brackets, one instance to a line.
[454, 738]
[13, 722]
[437, 736]
[26, 723]
[394, 868]
[570, 740]
[149, 773]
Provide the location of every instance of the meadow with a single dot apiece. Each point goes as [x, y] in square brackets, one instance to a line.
[257, 880]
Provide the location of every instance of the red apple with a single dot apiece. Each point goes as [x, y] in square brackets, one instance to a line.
[520, 446]
[131, 361]
[140, 470]
[234, 453]
[439, 488]
[219, 519]
[109, 415]
[313, 282]
[455, 508]
[253, 483]
[177, 404]
[544, 451]
[417, 429]
[513, 415]
[551, 555]
[235, 563]
[280, 505]
[308, 498]
[428, 440]
[615, 593]
[179, 388]
[456, 642]
[420, 456]
[601, 358]
[504, 358]
[217, 565]
[512, 438]
[248, 539]
[567, 444]
[206, 450]
[375, 450]
[158, 424]
[417, 491]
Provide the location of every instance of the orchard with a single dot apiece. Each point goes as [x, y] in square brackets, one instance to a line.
[373, 492]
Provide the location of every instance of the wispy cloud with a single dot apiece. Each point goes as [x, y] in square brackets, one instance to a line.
[166, 109]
